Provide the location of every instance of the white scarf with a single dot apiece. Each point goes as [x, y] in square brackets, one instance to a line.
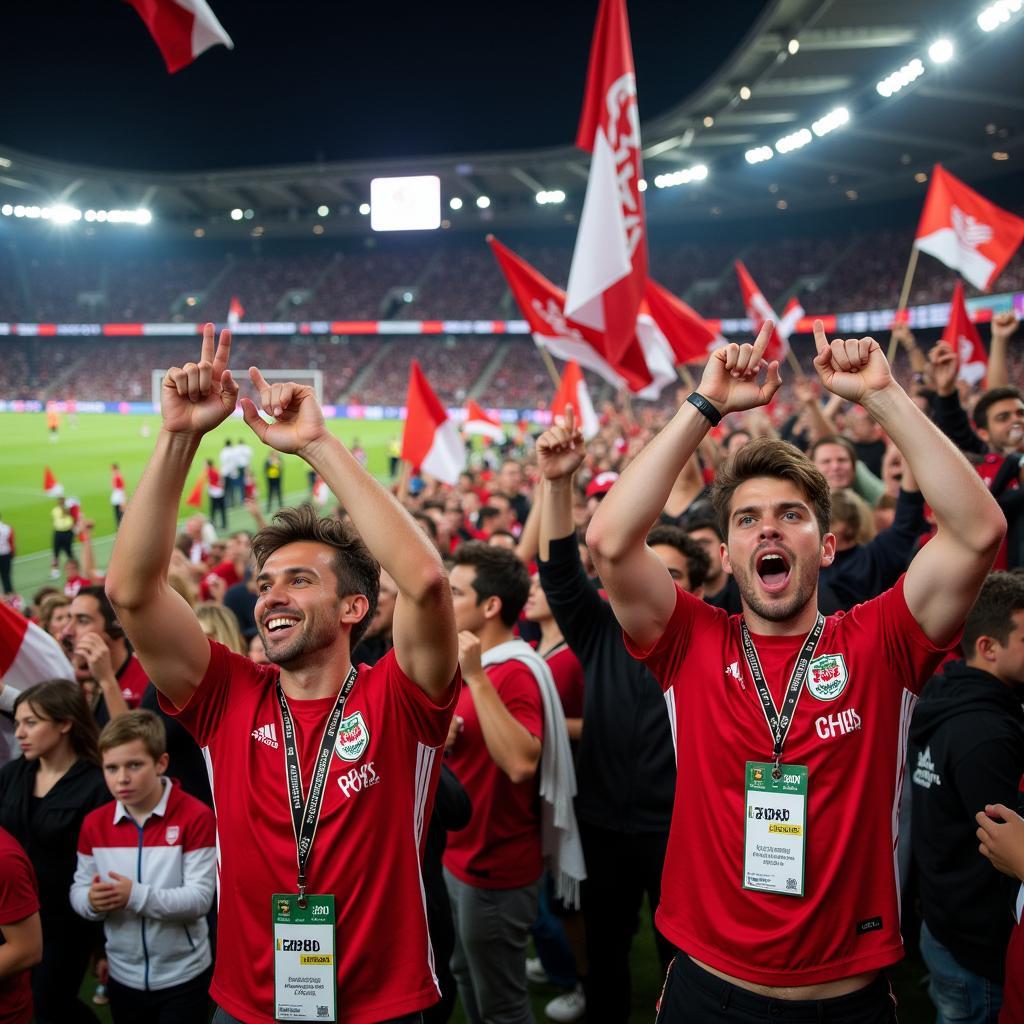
[560, 837]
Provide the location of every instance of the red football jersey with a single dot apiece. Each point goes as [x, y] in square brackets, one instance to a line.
[19, 899]
[500, 847]
[369, 841]
[568, 675]
[133, 681]
[853, 741]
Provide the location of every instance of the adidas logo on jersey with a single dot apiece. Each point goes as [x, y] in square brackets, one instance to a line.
[925, 774]
[266, 734]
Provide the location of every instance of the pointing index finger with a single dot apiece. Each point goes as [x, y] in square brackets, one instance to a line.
[206, 355]
[220, 360]
[257, 378]
[820, 340]
[570, 419]
[761, 342]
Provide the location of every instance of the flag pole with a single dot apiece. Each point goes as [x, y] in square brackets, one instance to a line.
[685, 376]
[794, 362]
[550, 364]
[908, 280]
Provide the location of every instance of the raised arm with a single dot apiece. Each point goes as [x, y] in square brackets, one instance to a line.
[944, 578]
[643, 595]
[424, 625]
[1004, 326]
[166, 635]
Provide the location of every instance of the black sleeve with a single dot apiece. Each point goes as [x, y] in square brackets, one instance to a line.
[891, 550]
[577, 607]
[989, 773]
[452, 806]
[951, 418]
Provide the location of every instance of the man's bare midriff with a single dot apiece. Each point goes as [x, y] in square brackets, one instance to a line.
[825, 990]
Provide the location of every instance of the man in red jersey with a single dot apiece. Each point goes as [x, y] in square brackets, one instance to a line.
[322, 776]
[780, 884]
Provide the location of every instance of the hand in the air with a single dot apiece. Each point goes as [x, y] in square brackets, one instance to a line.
[945, 367]
[197, 397]
[561, 448]
[1004, 325]
[852, 368]
[298, 419]
[730, 380]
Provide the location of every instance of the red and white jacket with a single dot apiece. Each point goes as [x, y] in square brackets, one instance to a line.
[160, 938]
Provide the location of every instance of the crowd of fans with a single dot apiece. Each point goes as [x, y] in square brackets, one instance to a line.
[576, 709]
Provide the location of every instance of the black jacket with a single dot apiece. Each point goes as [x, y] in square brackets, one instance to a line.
[966, 751]
[867, 570]
[625, 769]
[49, 832]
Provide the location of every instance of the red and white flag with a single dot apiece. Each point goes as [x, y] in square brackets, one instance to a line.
[962, 337]
[430, 441]
[28, 655]
[235, 313]
[51, 485]
[481, 423]
[609, 262]
[690, 337]
[543, 307]
[573, 390]
[965, 231]
[758, 310]
[182, 29]
[195, 498]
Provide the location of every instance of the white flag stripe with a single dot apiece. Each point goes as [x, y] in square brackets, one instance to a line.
[207, 31]
[446, 458]
[944, 245]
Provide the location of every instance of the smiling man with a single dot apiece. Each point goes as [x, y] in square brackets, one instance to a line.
[779, 885]
[323, 775]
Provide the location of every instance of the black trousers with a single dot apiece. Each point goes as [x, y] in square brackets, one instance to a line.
[694, 996]
[187, 1003]
[621, 869]
[5, 574]
[56, 979]
[217, 512]
[273, 491]
[62, 544]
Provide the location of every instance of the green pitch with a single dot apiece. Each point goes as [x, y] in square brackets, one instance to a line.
[80, 459]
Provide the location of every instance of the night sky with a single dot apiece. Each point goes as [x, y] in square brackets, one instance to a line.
[83, 81]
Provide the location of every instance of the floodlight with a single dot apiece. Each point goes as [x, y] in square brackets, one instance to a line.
[641, 185]
[6, 209]
[744, 92]
[709, 121]
[998, 14]
[409, 203]
[19, 211]
[323, 211]
[759, 154]
[90, 215]
[891, 84]
[941, 51]
[483, 202]
[831, 121]
[794, 45]
[455, 203]
[63, 214]
[795, 140]
[236, 214]
[364, 208]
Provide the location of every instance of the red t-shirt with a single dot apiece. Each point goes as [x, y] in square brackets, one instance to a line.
[368, 843]
[226, 571]
[74, 584]
[133, 681]
[854, 746]
[19, 898]
[500, 847]
[568, 675]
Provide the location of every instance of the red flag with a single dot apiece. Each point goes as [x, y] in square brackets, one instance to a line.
[430, 441]
[965, 231]
[573, 391]
[609, 262]
[758, 310]
[479, 422]
[962, 337]
[182, 29]
[543, 307]
[195, 499]
[690, 336]
[235, 313]
[50, 484]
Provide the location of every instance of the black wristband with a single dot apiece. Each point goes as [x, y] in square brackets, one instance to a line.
[705, 408]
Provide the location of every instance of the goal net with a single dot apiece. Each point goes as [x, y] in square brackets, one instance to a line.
[314, 378]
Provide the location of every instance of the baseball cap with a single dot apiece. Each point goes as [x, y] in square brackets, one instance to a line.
[601, 484]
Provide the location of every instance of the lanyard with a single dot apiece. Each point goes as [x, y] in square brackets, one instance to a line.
[306, 812]
[780, 721]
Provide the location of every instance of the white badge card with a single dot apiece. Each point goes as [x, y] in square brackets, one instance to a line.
[305, 967]
[775, 828]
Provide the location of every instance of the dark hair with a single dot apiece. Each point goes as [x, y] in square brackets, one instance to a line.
[136, 725]
[486, 513]
[1001, 595]
[838, 439]
[697, 561]
[63, 701]
[499, 573]
[357, 570]
[704, 522]
[428, 524]
[988, 399]
[779, 460]
[110, 623]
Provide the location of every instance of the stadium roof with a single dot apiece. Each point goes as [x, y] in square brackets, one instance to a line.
[800, 61]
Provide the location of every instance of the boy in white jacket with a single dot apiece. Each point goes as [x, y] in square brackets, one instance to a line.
[147, 868]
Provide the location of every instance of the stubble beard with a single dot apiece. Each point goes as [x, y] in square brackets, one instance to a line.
[776, 611]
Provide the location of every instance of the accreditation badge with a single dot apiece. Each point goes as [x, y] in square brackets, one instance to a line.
[775, 828]
[305, 967]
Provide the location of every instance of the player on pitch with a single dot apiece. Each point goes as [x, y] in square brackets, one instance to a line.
[780, 885]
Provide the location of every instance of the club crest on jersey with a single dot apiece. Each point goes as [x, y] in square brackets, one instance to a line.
[827, 676]
[353, 737]
[171, 834]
